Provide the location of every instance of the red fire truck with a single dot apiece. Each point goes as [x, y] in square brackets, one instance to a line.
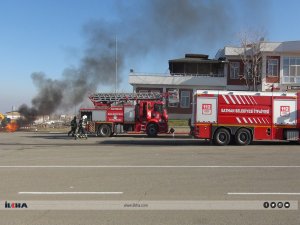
[243, 117]
[115, 113]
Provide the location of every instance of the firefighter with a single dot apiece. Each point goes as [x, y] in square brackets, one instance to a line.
[82, 127]
[73, 127]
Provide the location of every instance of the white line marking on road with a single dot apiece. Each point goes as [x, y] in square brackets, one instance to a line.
[69, 193]
[151, 166]
[262, 193]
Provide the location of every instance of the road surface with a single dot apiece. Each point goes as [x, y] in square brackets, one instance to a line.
[67, 181]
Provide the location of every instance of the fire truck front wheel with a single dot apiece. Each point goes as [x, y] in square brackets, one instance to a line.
[104, 130]
[222, 137]
[152, 130]
[243, 137]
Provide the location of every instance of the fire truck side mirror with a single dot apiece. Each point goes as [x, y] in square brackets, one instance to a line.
[165, 115]
[149, 115]
[149, 111]
[190, 122]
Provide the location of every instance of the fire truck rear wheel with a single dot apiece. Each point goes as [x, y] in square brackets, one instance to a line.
[243, 137]
[222, 137]
[152, 130]
[104, 130]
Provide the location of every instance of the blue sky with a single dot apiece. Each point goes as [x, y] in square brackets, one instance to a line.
[48, 36]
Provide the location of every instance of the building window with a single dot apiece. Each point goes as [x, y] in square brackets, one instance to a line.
[291, 69]
[272, 69]
[185, 99]
[247, 70]
[234, 70]
[173, 98]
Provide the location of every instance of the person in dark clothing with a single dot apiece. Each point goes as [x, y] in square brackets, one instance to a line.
[73, 127]
[82, 127]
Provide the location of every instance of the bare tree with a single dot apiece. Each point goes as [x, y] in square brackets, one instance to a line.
[250, 54]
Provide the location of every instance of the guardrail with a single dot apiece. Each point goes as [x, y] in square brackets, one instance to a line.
[175, 74]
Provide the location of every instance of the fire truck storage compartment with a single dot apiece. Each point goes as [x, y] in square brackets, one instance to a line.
[118, 129]
[99, 115]
[284, 112]
[123, 128]
[129, 113]
[206, 110]
[205, 131]
[115, 114]
[88, 114]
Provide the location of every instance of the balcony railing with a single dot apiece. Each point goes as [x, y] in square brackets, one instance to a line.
[178, 79]
[198, 75]
[177, 74]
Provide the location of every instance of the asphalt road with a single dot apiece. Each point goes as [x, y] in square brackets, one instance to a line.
[56, 168]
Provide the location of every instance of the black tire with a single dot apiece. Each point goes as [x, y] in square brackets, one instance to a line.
[104, 131]
[222, 137]
[243, 137]
[152, 130]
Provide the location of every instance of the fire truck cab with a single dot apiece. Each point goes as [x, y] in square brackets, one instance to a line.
[242, 117]
[126, 113]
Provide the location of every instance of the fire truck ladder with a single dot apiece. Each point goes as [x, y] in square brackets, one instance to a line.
[105, 98]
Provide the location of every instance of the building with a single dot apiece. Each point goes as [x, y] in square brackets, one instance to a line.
[279, 70]
[188, 74]
[42, 119]
[279, 66]
[13, 115]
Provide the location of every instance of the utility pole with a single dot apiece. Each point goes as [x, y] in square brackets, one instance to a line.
[116, 61]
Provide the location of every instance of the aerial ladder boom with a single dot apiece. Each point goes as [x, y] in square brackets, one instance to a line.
[100, 99]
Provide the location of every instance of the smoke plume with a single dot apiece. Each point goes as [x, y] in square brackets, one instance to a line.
[142, 27]
[30, 114]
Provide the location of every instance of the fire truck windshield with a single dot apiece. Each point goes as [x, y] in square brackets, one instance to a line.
[158, 108]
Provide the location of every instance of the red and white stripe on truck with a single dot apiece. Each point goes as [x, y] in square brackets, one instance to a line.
[242, 117]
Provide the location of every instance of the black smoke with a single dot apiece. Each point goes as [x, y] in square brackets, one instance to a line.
[29, 113]
[142, 27]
